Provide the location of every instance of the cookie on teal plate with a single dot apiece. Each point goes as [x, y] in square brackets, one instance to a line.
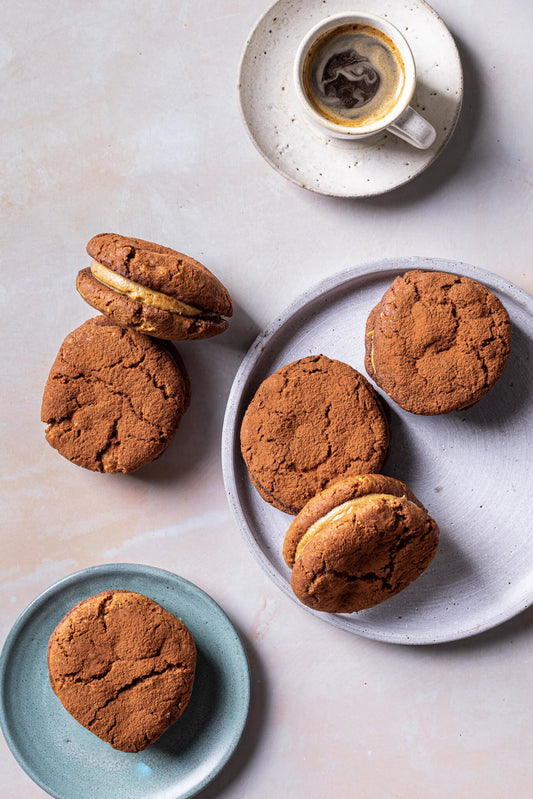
[67, 760]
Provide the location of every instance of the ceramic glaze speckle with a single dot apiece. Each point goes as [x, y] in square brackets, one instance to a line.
[143, 770]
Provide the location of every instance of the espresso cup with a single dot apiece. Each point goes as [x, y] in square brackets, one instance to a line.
[355, 76]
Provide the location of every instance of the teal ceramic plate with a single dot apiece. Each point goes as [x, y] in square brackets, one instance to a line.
[68, 761]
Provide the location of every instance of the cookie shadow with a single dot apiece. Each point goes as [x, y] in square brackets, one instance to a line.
[211, 365]
[183, 735]
[184, 738]
[197, 437]
[253, 729]
[450, 567]
[514, 628]
[512, 391]
[242, 331]
[402, 462]
[459, 154]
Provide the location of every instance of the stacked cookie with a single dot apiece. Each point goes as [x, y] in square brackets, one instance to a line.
[153, 289]
[358, 543]
[123, 667]
[316, 435]
[118, 388]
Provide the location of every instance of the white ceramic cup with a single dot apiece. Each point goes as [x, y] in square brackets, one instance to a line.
[398, 117]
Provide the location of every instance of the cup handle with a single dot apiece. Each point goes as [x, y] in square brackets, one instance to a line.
[414, 129]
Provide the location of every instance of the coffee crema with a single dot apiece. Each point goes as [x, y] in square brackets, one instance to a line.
[353, 75]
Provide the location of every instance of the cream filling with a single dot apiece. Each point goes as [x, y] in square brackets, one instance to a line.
[371, 336]
[135, 291]
[341, 513]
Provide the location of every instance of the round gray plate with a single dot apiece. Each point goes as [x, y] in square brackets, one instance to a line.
[292, 145]
[471, 469]
[68, 761]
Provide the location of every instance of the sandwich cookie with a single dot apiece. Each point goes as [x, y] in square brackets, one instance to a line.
[123, 667]
[311, 422]
[437, 342]
[358, 543]
[153, 289]
[114, 398]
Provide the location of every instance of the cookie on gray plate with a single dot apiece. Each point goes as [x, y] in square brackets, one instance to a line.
[311, 422]
[437, 342]
[358, 543]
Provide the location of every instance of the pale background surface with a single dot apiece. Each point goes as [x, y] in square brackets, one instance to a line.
[124, 117]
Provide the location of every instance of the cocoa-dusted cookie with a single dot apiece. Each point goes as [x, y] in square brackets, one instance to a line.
[114, 397]
[311, 422]
[336, 495]
[153, 289]
[123, 667]
[358, 543]
[437, 342]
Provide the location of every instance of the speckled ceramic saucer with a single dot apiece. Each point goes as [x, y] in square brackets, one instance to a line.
[67, 760]
[291, 144]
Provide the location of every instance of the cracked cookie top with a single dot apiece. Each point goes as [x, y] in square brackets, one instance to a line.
[437, 342]
[336, 495]
[123, 667]
[362, 551]
[311, 422]
[114, 397]
[161, 269]
[154, 289]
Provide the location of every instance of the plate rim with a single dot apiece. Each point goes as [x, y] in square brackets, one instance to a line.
[115, 570]
[360, 194]
[253, 355]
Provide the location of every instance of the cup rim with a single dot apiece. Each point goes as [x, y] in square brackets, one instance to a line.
[363, 17]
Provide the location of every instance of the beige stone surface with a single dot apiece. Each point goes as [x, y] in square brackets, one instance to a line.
[123, 117]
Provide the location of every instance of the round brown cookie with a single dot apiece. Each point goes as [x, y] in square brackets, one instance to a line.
[437, 342]
[362, 550]
[309, 423]
[153, 289]
[123, 667]
[337, 494]
[114, 397]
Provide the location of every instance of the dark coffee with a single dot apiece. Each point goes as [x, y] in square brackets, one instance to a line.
[353, 75]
